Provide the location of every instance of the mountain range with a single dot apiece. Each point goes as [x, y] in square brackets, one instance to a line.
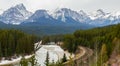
[20, 15]
[61, 20]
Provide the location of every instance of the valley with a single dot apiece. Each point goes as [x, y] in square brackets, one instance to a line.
[59, 37]
[60, 21]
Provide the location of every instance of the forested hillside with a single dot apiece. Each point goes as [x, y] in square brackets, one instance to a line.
[105, 42]
[15, 43]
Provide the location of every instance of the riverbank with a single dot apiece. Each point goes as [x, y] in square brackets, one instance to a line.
[14, 61]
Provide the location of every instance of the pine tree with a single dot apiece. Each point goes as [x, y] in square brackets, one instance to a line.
[0, 51]
[47, 59]
[64, 59]
[33, 61]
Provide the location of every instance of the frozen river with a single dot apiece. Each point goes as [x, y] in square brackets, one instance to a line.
[55, 53]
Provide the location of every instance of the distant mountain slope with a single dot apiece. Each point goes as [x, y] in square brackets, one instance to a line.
[41, 30]
[3, 25]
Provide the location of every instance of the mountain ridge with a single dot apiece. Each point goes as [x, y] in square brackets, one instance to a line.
[19, 14]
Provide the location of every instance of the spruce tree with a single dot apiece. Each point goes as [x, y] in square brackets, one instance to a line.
[47, 59]
[33, 61]
[0, 51]
[64, 59]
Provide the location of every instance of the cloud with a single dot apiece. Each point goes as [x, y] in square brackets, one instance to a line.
[87, 5]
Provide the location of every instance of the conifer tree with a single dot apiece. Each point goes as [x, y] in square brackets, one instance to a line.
[47, 59]
[64, 59]
[33, 61]
[0, 51]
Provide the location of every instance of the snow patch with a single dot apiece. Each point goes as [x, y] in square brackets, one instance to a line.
[14, 61]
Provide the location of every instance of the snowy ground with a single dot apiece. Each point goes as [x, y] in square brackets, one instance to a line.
[13, 61]
[55, 53]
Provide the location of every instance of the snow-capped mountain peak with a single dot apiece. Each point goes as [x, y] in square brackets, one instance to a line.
[82, 12]
[60, 14]
[64, 13]
[100, 11]
[20, 6]
[39, 14]
[15, 15]
[97, 14]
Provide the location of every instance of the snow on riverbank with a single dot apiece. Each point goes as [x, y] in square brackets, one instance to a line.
[55, 53]
[13, 61]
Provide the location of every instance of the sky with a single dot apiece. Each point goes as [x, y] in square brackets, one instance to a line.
[86, 5]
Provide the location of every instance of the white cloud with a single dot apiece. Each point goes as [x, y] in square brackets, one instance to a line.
[87, 5]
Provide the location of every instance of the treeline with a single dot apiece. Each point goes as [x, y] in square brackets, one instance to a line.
[91, 37]
[52, 38]
[15, 42]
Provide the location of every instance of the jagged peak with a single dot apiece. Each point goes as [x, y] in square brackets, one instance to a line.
[20, 6]
[41, 12]
[82, 12]
[101, 11]
[62, 10]
[65, 9]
